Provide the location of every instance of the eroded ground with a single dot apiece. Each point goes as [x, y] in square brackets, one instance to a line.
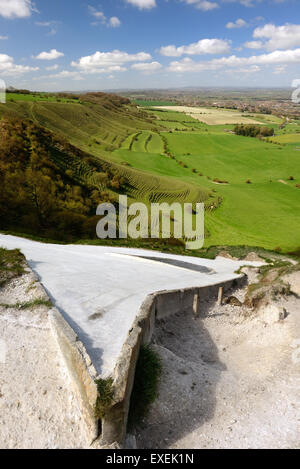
[228, 381]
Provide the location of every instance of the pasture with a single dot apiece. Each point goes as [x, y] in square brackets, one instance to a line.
[250, 187]
[37, 97]
[257, 208]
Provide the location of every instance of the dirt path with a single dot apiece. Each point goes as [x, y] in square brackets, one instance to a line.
[37, 406]
[228, 382]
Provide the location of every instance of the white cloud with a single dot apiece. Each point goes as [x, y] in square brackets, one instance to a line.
[53, 67]
[273, 58]
[97, 14]
[143, 4]
[3, 38]
[203, 5]
[52, 55]
[16, 8]
[67, 74]
[114, 22]
[114, 61]
[204, 46]
[147, 67]
[8, 67]
[253, 45]
[252, 69]
[252, 3]
[240, 23]
[279, 37]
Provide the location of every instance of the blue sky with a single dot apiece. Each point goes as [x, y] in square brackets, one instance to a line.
[111, 44]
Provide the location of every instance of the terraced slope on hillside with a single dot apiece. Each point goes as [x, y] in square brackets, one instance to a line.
[100, 124]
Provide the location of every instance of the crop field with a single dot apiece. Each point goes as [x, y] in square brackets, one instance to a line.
[214, 116]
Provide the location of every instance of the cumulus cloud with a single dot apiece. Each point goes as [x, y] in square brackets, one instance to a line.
[114, 61]
[279, 37]
[3, 38]
[204, 46]
[52, 55]
[147, 67]
[142, 4]
[273, 58]
[16, 8]
[8, 66]
[240, 23]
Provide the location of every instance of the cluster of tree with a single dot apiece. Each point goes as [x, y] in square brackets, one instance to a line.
[41, 191]
[253, 130]
[10, 89]
[109, 101]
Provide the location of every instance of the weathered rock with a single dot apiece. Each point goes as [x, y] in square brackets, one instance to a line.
[293, 280]
[253, 257]
[227, 255]
[252, 274]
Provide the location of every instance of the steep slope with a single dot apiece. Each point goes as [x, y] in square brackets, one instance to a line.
[98, 124]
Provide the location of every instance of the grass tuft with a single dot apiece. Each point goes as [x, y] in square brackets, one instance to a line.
[105, 396]
[28, 304]
[145, 389]
[11, 265]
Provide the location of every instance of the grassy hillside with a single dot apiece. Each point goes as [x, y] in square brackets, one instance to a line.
[99, 124]
[101, 145]
[261, 197]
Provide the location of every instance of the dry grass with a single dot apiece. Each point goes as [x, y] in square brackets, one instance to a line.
[213, 116]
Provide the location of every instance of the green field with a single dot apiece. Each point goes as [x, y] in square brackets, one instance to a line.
[37, 98]
[260, 203]
[286, 138]
[170, 156]
[146, 103]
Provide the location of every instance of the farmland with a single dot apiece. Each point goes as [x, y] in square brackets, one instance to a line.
[213, 116]
[256, 206]
[250, 186]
